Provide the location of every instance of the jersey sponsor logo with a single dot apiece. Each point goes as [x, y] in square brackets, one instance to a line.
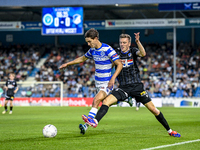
[127, 62]
[10, 86]
[97, 58]
[130, 60]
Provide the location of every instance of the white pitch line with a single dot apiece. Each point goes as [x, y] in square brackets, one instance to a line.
[163, 146]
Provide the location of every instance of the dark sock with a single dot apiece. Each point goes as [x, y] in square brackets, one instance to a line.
[138, 104]
[102, 111]
[11, 108]
[5, 108]
[163, 121]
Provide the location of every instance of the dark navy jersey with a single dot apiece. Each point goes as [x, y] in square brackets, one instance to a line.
[11, 85]
[130, 72]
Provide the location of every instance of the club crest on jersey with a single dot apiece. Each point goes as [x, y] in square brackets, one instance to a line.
[129, 54]
[102, 53]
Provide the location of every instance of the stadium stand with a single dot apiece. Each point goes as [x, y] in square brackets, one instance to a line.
[156, 70]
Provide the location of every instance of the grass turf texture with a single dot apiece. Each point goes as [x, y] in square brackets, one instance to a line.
[121, 128]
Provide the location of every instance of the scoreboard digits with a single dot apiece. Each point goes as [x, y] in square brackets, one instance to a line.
[62, 20]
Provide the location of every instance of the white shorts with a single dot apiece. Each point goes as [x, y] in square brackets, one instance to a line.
[103, 86]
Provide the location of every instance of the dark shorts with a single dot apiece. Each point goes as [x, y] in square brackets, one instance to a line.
[11, 98]
[134, 90]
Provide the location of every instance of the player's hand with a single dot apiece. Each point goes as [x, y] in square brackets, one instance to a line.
[63, 66]
[111, 84]
[137, 37]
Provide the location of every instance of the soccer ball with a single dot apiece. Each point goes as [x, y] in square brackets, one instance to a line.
[49, 131]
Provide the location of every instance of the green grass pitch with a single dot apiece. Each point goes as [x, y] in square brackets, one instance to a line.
[123, 128]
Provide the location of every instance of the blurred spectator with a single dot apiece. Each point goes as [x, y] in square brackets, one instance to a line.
[156, 69]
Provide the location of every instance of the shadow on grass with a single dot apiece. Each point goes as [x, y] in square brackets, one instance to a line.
[60, 136]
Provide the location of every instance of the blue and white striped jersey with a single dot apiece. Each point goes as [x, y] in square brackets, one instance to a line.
[103, 57]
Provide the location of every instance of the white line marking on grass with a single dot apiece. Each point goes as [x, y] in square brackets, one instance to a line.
[163, 146]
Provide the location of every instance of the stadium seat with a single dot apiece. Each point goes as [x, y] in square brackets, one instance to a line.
[159, 95]
[52, 94]
[33, 95]
[197, 92]
[179, 93]
[172, 95]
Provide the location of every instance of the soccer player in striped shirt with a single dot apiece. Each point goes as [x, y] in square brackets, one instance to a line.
[103, 55]
[130, 84]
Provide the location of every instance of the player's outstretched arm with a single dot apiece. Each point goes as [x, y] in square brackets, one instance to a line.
[75, 61]
[141, 51]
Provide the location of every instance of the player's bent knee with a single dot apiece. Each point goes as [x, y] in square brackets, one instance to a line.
[95, 103]
[110, 100]
[155, 111]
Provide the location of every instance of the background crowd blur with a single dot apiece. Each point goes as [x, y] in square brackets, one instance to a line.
[156, 69]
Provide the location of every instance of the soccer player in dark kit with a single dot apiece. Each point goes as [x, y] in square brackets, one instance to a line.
[11, 89]
[130, 84]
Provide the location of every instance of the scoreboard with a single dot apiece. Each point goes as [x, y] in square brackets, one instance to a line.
[62, 20]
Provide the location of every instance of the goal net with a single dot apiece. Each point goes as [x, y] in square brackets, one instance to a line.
[36, 94]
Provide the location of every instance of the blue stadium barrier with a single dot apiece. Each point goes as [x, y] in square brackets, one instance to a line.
[197, 93]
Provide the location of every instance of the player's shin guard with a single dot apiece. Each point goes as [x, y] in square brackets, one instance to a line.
[163, 121]
[102, 111]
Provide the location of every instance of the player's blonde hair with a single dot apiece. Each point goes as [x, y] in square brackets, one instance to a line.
[12, 73]
[125, 36]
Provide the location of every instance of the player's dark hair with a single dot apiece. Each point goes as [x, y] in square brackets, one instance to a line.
[92, 33]
[125, 36]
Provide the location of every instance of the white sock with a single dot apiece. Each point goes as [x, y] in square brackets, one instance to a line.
[169, 131]
[96, 121]
[93, 112]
